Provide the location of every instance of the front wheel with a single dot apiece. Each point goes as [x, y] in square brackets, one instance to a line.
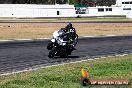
[52, 52]
[50, 45]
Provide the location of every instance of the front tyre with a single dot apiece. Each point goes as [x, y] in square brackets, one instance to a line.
[52, 52]
[50, 46]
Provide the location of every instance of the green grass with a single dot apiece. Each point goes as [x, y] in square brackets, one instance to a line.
[64, 19]
[96, 19]
[67, 76]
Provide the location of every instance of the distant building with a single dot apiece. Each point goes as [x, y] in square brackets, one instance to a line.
[33, 10]
[121, 8]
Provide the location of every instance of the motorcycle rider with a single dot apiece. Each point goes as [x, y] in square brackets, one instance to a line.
[68, 33]
[71, 33]
[69, 29]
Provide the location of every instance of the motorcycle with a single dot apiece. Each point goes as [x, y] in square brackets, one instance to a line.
[61, 44]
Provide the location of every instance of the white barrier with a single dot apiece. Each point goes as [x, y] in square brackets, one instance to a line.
[129, 14]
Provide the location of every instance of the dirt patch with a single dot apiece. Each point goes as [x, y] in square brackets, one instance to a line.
[42, 30]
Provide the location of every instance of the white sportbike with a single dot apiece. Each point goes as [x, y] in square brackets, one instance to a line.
[62, 44]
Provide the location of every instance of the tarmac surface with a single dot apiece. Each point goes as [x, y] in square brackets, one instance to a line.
[20, 55]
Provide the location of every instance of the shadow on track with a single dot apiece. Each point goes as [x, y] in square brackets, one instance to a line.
[57, 57]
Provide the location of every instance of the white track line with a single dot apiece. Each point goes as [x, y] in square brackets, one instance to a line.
[100, 36]
[24, 39]
[50, 38]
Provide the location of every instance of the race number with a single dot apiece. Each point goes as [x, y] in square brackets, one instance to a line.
[72, 30]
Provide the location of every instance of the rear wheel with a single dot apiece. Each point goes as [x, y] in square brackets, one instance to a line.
[64, 53]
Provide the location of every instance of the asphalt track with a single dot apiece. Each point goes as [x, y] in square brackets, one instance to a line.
[17, 56]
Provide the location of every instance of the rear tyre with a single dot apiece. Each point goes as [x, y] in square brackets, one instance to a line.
[64, 53]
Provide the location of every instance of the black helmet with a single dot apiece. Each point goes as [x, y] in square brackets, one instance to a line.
[69, 24]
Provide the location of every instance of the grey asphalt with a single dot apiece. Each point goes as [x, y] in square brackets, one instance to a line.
[17, 56]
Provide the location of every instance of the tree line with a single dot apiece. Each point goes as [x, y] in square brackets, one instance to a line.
[75, 2]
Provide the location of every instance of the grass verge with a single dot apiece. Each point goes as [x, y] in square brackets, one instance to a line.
[67, 76]
[89, 19]
[45, 30]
